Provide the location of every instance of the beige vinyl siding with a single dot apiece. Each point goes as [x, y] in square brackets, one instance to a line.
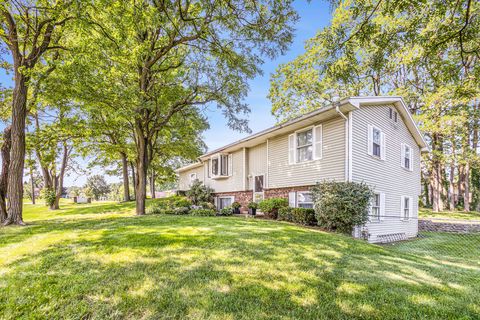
[232, 183]
[257, 163]
[184, 177]
[387, 175]
[330, 167]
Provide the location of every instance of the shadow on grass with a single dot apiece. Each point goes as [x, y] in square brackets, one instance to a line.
[194, 267]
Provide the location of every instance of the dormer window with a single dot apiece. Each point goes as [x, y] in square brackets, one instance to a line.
[221, 165]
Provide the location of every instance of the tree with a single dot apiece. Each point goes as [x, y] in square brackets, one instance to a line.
[98, 186]
[426, 52]
[179, 56]
[28, 30]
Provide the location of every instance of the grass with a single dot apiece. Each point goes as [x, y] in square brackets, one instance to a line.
[460, 215]
[98, 261]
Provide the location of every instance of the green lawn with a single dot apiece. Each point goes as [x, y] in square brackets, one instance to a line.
[428, 213]
[88, 262]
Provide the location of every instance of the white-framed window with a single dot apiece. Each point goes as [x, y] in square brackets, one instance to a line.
[300, 199]
[376, 142]
[406, 207]
[406, 155]
[193, 177]
[225, 201]
[377, 207]
[220, 165]
[305, 145]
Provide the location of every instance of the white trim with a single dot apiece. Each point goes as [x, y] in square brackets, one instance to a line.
[244, 169]
[317, 141]
[383, 146]
[403, 147]
[268, 166]
[350, 145]
[232, 198]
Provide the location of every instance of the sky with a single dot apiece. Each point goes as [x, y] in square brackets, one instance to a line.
[314, 15]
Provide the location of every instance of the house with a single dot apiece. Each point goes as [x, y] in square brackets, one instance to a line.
[369, 139]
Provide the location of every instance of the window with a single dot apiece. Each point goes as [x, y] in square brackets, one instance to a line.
[376, 203]
[376, 142]
[406, 207]
[221, 165]
[215, 166]
[258, 187]
[395, 116]
[406, 156]
[304, 199]
[305, 145]
[193, 177]
[224, 202]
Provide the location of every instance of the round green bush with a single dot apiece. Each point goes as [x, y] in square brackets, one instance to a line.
[227, 211]
[271, 206]
[340, 206]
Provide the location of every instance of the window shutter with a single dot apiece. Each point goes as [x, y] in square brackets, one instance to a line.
[402, 207]
[230, 165]
[411, 159]
[370, 140]
[382, 150]
[382, 206]
[318, 142]
[215, 202]
[402, 155]
[291, 149]
[292, 199]
[410, 207]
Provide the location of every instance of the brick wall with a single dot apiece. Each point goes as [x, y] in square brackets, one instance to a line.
[244, 197]
[283, 192]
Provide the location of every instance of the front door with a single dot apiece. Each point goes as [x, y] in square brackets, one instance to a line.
[258, 188]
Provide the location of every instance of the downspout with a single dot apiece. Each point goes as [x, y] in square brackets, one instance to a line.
[347, 139]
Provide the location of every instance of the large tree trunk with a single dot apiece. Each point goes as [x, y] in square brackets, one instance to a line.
[32, 185]
[437, 175]
[152, 184]
[142, 167]
[5, 151]
[466, 194]
[59, 179]
[17, 153]
[126, 185]
[134, 179]
[451, 188]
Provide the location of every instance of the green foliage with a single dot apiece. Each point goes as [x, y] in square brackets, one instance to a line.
[236, 205]
[340, 206]
[169, 205]
[199, 193]
[49, 196]
[271, 206]
[203, 212]
[252, 205]
[98, 186]
[208, 205]
[227, 211]
[304, 216]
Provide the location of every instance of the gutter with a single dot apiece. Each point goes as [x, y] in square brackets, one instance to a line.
[347, 142]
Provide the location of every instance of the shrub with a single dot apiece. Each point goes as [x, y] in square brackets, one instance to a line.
[199, 193]
[303, 216]
[340, 206]
[270, 206]
[181, 210]
[49, 196]
[203, 212]
[227, 211]
[207, 205]
[168, 205]
[285, 214]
